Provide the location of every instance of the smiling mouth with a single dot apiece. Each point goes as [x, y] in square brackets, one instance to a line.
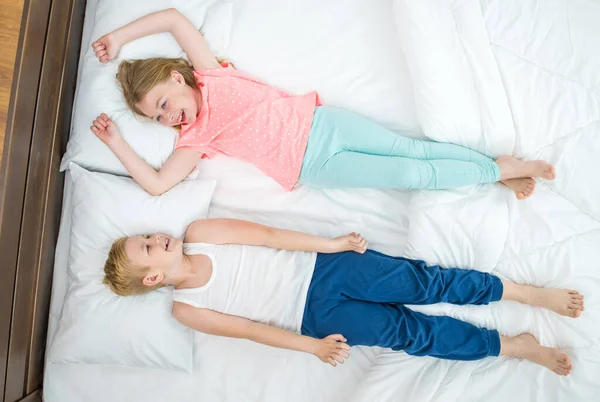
[167, 243]
[181, 117]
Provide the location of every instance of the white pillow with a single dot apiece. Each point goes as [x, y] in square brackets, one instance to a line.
[98, 90]
[464, 227]
[458, 91]
[97, 326]
[347, 51]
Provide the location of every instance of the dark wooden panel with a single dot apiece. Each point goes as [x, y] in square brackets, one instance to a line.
[61, 120]
[11, 12]
[35, 396]
[43, 194]
[31, 187]
[13, 173]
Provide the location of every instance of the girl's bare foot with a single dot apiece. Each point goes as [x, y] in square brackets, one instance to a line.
[527, 347]
[522, 188]
[512, 168]
[562, 301]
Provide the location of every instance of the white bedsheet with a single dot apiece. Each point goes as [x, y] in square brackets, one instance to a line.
[539, 62]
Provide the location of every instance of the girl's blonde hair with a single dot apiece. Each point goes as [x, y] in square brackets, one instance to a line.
[122, 276]
[138, 77]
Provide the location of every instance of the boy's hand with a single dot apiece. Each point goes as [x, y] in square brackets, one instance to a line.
[106, 130]
[352, 242]
[330, 351]
[106, 48]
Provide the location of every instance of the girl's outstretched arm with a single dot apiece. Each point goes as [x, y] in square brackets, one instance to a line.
[235, 231]
[170, 20]
[176, 168]
[332, 349]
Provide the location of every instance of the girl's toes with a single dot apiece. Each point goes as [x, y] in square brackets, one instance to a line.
[578, 307]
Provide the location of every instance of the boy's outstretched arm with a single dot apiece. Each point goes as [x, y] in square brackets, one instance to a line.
[332, 349]
[236, 231]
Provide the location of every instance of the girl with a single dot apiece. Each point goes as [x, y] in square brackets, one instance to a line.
[291, 138]
[232, 278]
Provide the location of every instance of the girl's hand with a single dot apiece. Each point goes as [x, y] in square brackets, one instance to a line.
[332, 349]
[106, 130]
[106, 48]
[352, 242]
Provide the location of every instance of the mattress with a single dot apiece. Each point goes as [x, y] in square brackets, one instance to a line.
[480, 74]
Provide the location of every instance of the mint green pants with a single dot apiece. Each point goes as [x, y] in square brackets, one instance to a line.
[345, 150]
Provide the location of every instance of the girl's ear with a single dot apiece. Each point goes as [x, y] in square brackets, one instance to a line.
[177, 77]
[153, 279]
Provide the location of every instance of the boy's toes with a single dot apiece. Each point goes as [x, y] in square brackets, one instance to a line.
[550, 173]
[560, 371]
[565, 366]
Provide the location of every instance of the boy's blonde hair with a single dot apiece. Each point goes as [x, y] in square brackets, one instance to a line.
[138, 77]
[122, 276]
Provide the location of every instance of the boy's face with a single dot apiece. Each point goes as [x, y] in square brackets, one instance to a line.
[172, 102]
[159, 252]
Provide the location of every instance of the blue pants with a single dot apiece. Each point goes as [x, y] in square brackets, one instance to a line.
[362, 297]
[345, 150]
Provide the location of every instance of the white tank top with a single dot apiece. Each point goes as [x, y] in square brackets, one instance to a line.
[258, 283]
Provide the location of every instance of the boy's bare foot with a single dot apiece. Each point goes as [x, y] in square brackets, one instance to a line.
[522, 188]
[512, 168]
[562, 301]
[527, 347]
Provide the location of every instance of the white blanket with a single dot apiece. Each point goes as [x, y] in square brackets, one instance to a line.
[511, 76]
[516, 77]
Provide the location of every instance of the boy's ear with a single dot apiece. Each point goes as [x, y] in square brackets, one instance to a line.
[153, 279]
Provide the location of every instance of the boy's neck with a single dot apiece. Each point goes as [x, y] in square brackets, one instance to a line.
[183, 273]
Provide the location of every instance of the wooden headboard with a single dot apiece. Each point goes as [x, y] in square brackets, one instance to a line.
[39, 119]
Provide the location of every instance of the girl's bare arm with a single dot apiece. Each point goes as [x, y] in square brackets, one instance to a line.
[170, 20]
[176, 168]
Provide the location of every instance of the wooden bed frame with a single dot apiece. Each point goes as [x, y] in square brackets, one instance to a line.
[39, 120]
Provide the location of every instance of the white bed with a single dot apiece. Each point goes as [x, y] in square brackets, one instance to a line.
[506, 76]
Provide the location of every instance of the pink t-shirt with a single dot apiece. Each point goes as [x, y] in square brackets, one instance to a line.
[252, 121]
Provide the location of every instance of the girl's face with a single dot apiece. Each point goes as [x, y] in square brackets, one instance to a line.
[159, 252]
[172, 102]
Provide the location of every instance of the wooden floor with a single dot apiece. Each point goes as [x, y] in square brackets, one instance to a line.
[10, 23]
